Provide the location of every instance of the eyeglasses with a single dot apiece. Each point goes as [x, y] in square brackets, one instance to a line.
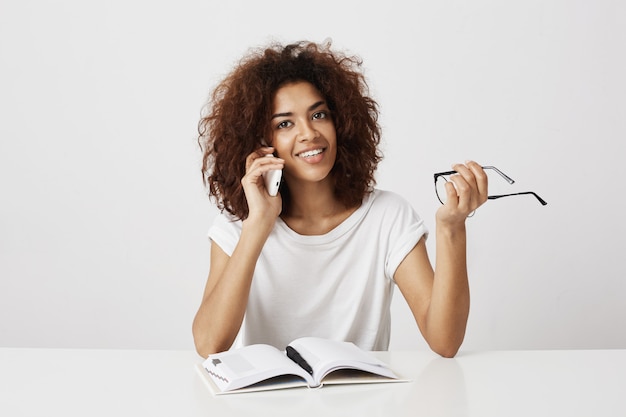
[441, 178]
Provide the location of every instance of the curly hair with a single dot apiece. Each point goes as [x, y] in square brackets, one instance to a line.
[237, 119]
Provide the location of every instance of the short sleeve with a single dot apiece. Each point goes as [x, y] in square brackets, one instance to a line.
[225, 232]
[406, 228]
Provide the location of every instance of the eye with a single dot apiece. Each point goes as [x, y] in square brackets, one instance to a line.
[284, 124]
[320, 115]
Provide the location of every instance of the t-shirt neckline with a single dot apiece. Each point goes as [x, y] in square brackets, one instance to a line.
[341, 229]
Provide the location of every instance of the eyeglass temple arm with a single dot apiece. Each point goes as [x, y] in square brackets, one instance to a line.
[541, 200]
[502, 174]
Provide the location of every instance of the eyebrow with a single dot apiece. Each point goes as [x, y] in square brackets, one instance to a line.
[311, 107]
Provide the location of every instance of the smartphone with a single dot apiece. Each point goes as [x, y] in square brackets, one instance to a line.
[272, 179]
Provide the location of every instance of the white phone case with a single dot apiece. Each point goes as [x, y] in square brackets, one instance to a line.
[272, 179]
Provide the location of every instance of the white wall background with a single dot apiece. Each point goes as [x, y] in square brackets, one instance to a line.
[103, 217]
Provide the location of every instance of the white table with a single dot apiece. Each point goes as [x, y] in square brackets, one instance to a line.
[60, 382]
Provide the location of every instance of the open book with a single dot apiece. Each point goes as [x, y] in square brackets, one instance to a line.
[308, 361]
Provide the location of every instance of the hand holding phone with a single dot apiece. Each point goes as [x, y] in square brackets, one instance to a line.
[272, 179]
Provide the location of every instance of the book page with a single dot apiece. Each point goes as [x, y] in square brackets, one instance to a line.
[239, 368]
[326, 356]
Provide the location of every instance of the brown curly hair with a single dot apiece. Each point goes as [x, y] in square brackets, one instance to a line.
[237, 119]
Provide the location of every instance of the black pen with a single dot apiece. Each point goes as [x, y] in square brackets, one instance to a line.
[295, 356]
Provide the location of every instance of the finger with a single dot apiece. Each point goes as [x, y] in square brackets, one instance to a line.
[478, 190]
[259, 153]
[467, 175]
[269, 162]
[452, 199]
[482, 181]
[463, 191]
[259, 166]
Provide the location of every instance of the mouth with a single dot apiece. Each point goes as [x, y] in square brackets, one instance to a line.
[311, 153]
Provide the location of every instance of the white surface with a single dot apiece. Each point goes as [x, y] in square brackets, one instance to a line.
[58, 382]
[103, 218]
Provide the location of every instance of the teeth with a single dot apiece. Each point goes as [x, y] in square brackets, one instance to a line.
[311, 153]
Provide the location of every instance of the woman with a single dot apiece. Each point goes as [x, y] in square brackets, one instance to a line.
[322, 257]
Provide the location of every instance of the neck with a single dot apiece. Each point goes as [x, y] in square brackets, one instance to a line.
[314, 208]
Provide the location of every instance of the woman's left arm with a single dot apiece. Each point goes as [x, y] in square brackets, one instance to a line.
[439, 298]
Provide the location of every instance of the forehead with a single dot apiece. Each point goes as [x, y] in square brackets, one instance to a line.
[294, 94]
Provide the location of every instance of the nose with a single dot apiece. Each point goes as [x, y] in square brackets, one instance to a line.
[307, 131]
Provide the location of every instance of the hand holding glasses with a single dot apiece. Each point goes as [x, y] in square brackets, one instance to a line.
[441, 178]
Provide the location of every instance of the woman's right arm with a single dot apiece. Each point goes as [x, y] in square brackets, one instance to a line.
[225, 298]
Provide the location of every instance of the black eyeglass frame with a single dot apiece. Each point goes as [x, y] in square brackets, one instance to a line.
[491, 197]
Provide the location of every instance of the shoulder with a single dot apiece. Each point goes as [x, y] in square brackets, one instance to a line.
[386, 195]
[392, 209]
[388, 201]
[225, 231]
[225, 220]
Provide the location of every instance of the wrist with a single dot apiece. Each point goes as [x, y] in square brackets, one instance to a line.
[450, 229]
[260, 227]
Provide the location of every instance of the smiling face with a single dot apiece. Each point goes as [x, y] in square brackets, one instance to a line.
[303, 132]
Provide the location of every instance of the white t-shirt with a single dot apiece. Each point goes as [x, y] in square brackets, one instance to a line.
[338, 285]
